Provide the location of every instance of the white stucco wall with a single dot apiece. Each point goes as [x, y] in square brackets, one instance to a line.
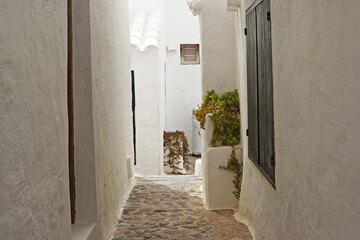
[217, 183]
[183, 82]
[34, 191]
[110, 60]
[316, 113]
[149, 93]
[34, 203]
[218, 51]
[148, 137]
[219, 71]
[84, 141]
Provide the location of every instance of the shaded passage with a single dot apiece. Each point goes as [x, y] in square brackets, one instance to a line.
[172, 208]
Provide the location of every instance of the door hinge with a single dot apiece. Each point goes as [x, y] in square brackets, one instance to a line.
[272, 161]
[245, 31]
[268, 16]
[247, 132]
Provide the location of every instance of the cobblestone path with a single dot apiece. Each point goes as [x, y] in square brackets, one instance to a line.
[172, 208]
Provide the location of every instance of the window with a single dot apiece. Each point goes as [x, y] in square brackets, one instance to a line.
[260, 89]
[189, 54]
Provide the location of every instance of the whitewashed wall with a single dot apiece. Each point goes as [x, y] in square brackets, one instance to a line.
[111, 88]
[150, 93]
[166, 92]
[219, 72]
[34, 185]
[34, 199]
[183, 82]
[218, 50]
[316, 113]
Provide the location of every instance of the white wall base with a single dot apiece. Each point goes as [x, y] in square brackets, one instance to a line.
[198, 167]
[218, 185]
[81, 231]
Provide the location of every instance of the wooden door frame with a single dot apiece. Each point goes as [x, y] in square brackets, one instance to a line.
[70, 99]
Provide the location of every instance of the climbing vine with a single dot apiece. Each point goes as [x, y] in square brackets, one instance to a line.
[235, 167]
[225, 113]
[175, 147]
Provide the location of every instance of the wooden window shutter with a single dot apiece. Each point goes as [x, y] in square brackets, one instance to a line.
[251, 52]
[265, 90]
[260, 89]
[190, 54]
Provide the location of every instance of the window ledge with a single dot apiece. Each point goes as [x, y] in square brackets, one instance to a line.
[81, 231]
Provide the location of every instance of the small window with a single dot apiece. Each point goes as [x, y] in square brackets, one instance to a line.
[189, 54]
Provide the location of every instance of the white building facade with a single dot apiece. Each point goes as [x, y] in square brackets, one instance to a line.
[166, 91]
[183, 82]
[34, 117]
[311, 190]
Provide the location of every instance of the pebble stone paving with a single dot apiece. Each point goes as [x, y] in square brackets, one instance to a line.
[172, 208]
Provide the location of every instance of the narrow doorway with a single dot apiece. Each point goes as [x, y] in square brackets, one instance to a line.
[133, 111]
[70, 98]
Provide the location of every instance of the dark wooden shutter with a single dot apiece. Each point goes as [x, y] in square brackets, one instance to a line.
[71, 111]
[251, 53]
[265, 90]
[260, 89]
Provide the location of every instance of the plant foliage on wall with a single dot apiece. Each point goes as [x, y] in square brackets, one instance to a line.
[175, 147]
[235, 167]
[225, 110]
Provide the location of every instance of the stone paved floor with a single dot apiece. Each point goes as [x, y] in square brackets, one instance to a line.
[171, 208]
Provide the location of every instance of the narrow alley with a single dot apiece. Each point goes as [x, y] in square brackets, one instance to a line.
[170, 207]
[107, 105]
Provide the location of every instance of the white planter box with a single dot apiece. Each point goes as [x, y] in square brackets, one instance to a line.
[218, 185]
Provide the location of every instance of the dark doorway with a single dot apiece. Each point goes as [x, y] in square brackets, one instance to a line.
[71, 113]
[133, 110]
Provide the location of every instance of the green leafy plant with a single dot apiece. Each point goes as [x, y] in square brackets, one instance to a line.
[175, 147]
[225, 113]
